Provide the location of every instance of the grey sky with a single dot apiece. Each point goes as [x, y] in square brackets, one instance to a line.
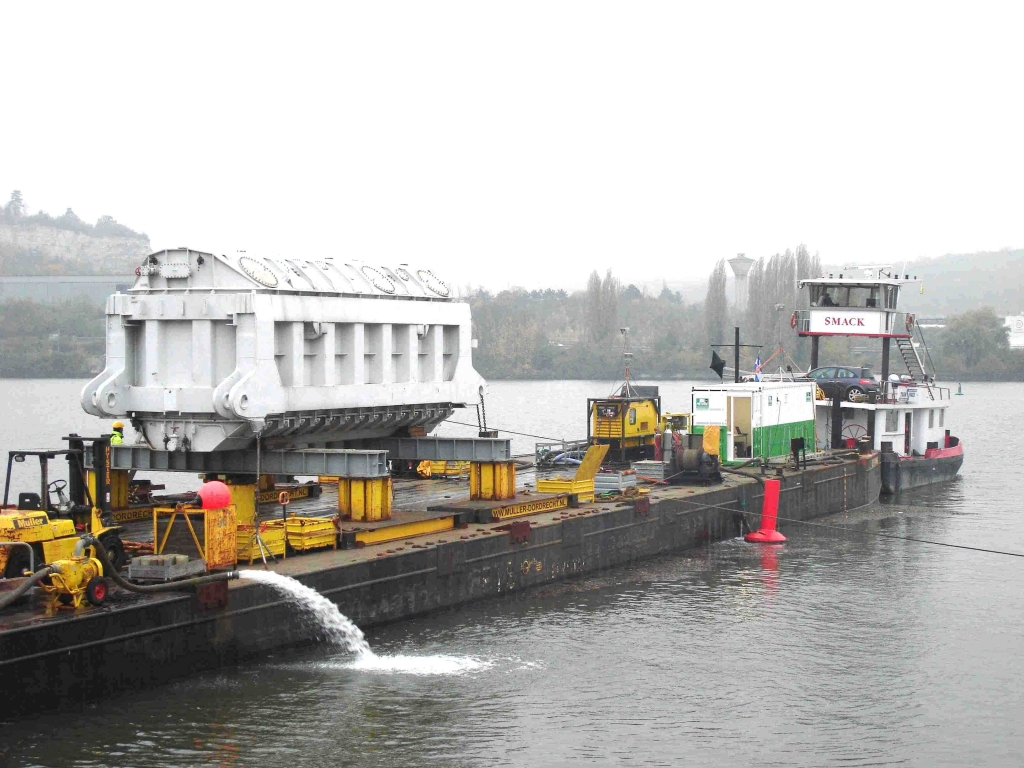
[524, 143]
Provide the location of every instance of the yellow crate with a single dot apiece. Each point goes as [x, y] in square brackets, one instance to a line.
[273, 536]
[583, 488]
[311, 533]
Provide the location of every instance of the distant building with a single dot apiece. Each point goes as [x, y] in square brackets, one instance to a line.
[51, 288]
[1016, 325]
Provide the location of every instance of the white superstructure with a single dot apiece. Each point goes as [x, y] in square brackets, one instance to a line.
[1015, 324]
[205, 350]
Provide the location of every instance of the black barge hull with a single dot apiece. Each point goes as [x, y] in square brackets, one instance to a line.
[902, 474]
[140, 641]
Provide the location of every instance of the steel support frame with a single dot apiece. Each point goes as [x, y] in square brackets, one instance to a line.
[337, 462]
[440, 448]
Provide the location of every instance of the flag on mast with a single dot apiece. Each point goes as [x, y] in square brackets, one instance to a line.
[757, 368]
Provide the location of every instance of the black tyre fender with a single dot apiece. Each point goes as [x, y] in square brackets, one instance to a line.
[115, 550]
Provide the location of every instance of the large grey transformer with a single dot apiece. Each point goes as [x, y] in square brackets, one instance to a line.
[204, 351]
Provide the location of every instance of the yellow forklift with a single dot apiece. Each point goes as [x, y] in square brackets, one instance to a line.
[52, 521]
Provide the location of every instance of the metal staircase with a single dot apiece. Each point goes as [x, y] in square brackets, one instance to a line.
[913, 360]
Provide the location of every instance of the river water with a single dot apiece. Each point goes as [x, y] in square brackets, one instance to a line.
[838, 648]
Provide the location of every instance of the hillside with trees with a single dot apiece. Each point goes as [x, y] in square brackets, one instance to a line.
[41, 244]
[554, 334]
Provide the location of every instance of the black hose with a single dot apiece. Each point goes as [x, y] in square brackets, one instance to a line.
[184, 585]
[737, 470]
[30, 582]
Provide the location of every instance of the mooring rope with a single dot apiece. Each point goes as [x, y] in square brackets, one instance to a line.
[847, 529]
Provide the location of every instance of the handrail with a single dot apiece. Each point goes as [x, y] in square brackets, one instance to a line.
[931, 363]
[31, 552]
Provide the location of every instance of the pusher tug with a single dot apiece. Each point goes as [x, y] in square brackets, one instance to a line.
[906, 421]
[250, 372]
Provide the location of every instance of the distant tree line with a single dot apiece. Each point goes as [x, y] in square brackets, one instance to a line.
[15, 212]
[58, 340]
[555, 334]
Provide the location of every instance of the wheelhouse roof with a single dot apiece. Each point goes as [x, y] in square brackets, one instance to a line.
[856, 282]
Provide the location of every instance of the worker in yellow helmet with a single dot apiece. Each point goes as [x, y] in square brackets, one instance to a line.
[118, 437]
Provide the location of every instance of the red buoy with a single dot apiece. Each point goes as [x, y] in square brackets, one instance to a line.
[215, 495]
[769, 514]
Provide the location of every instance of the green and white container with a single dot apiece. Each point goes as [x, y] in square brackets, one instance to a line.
[755, 419]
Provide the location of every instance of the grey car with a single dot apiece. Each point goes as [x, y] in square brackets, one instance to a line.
[846, 382]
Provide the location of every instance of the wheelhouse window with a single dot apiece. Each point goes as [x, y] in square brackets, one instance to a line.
[853, 296]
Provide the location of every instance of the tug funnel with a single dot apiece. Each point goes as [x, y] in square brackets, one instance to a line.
[769, 514]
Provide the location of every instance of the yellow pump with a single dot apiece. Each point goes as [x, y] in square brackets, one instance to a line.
[77, 579]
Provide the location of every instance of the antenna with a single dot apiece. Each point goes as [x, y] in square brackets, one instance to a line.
[626, 357]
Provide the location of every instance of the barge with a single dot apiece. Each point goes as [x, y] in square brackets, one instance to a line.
[138, 641]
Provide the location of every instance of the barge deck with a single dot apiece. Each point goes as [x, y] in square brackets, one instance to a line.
[136, 641]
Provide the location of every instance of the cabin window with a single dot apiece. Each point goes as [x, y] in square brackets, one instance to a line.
[891, 421]
[942, 418]
[852, 296]
[632, 416]
[931, 418]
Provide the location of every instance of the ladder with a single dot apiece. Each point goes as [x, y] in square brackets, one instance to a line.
[913, 361]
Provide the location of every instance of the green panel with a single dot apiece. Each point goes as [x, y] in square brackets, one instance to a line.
[774, 441]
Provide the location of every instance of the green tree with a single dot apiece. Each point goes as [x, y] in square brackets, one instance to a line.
[15, 207]
[974, 336]
[716, 306]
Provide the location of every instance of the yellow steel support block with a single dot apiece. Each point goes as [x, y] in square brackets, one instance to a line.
[243, 497]
[492, 480]
[266, 482]
[365, 498]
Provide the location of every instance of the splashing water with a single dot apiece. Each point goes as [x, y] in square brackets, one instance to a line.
[338, 626]
[341, 631]
[417, 665]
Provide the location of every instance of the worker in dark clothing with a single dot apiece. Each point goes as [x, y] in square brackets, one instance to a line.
[118, 437]
[826, 301]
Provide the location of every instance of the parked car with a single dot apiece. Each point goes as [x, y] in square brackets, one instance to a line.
[845, 382]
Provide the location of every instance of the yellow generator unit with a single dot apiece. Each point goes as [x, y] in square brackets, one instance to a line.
[627, 422]
[52, 540]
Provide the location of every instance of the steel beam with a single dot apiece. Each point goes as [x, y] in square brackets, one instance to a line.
[440, 448]
[330, 461]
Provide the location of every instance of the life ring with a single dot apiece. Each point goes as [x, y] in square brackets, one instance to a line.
[792, 320]
[910, 322]
[138, 271]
